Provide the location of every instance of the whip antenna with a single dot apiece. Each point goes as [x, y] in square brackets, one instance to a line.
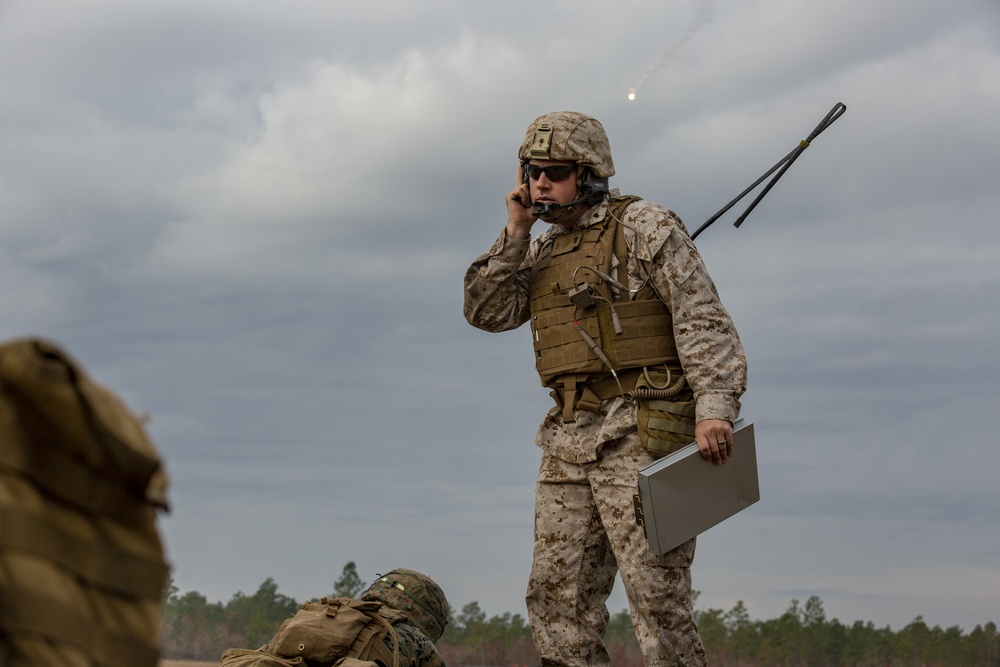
[836, 112]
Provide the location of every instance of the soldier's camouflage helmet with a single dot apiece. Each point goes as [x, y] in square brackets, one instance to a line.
[569, 135]
[414, 594]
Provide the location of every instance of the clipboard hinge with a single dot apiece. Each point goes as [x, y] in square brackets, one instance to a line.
[640, 517]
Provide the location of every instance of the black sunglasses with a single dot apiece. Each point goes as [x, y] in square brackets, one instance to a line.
[558, 172]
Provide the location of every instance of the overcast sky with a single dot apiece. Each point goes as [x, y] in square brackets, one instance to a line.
[252, 218]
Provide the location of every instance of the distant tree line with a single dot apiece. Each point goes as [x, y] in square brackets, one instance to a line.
[196, 629]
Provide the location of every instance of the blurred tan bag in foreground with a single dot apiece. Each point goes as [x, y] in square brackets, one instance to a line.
[82, 569]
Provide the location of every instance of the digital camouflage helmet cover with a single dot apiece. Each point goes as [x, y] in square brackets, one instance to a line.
[569, 135]
[414, 594]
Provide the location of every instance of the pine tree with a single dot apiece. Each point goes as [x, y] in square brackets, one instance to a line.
[350, 585]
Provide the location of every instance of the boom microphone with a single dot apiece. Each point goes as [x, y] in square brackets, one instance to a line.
[547, 208]
[592, 189]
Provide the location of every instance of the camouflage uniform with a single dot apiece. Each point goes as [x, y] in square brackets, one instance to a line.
[585, 528]
[426, 607]
[415, 648]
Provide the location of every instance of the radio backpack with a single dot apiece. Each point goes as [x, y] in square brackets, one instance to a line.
[82, 571]
[332, 632]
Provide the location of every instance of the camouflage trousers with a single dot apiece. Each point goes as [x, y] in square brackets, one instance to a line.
[585, 533]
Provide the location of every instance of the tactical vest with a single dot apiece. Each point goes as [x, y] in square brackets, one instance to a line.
[568, 297]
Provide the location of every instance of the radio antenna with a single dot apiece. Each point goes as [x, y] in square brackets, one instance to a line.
[836, 112]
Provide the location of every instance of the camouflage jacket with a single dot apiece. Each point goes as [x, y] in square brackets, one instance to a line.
[415, 648]
[497, 299]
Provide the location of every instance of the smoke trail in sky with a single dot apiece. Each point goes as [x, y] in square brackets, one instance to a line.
[703, 15]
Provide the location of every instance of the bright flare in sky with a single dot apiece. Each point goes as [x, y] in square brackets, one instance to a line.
[631, 94]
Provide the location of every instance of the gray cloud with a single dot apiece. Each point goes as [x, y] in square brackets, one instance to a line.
[253, 224]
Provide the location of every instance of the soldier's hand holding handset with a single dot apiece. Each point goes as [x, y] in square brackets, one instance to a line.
[520, 213]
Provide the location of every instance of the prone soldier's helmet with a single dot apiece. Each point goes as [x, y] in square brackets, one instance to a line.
[569, 135]
[414, 594]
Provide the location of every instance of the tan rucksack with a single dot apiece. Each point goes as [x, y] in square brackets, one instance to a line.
[82, 571]
[338, 631]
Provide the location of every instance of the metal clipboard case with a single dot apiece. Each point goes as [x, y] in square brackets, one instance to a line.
[683, 495]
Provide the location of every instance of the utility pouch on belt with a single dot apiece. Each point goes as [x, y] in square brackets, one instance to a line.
[665, 412]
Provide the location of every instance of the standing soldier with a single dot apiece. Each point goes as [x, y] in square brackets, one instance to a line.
[619, 300]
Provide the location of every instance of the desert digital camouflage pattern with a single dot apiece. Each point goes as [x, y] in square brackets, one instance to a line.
[585, 523]
[567, 613]
[497, 299]
[569, 135]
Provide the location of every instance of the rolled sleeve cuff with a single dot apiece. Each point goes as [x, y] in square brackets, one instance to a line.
[717, 406]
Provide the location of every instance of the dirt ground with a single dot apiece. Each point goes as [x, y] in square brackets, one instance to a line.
[186, 663]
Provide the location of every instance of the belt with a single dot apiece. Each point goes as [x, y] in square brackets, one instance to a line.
[609, 387]
[576, 395]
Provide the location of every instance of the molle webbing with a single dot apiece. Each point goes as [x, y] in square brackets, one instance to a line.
[92, 558]
[647, 340]
[570, 259]
[559, 259]
[79, 486]
[59, 475]
[26, 613]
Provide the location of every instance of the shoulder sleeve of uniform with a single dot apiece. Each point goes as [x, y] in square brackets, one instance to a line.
[656, 230]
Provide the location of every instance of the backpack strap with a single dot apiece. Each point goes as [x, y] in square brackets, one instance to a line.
[368, 635]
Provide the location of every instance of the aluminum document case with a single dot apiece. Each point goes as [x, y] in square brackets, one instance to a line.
[683, 495]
